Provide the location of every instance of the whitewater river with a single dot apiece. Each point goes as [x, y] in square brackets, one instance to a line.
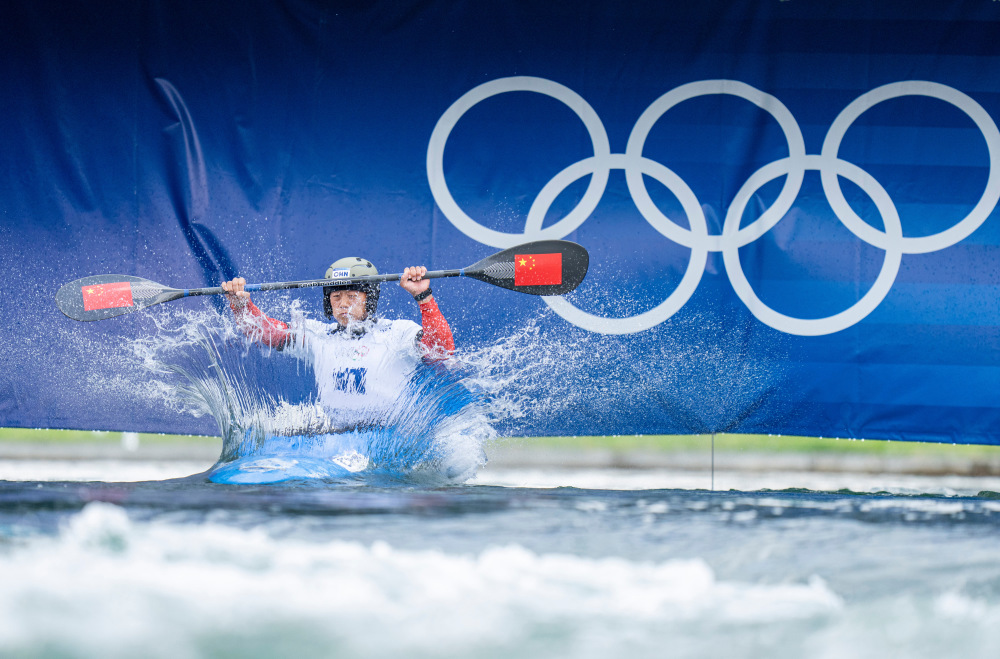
[195, 569]
[399, 544]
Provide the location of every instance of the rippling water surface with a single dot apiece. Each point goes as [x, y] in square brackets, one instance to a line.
[188, 569]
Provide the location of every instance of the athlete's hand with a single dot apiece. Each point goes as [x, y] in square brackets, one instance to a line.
[412, 280]
[237, 297]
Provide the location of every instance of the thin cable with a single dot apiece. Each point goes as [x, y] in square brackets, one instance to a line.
[713, 462]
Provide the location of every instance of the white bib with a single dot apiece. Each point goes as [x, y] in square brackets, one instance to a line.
[359, 376]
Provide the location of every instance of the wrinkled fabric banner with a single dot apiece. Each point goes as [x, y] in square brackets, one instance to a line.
[790, 207]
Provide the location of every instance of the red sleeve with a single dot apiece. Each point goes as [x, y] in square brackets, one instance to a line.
[258, 327]
[436, 332]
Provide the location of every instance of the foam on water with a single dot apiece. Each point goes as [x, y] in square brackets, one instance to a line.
[106, 586]
[116, 582]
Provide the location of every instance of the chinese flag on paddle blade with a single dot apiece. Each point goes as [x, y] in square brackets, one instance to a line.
[537, 269]
[107, 296]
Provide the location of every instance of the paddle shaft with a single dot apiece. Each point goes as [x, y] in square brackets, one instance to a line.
[340, 281]
[542, 267]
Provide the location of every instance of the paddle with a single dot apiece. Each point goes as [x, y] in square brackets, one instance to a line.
[546, 267]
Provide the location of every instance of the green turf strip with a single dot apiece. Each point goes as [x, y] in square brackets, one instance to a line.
[659, 443]
[85, 436]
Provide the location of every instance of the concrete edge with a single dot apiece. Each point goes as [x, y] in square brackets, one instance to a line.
[744, 461]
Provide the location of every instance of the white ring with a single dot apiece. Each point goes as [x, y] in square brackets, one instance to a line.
[439, 138]
[922, 244]
[768, 103]
[868, 302]
[692, 275]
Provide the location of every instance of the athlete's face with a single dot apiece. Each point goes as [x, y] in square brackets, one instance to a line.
[348, 305]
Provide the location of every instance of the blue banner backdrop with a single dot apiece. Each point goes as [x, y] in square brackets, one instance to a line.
[790, 206]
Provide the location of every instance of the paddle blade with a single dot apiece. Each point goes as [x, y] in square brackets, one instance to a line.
[545, 267]
[105, 296]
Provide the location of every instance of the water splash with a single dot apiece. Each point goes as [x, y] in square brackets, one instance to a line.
[273, 426]
[274, 429]
[648, 382]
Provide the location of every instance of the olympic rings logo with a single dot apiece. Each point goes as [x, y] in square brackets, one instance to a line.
[733, 237]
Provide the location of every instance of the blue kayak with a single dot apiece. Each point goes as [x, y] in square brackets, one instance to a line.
[297, 458]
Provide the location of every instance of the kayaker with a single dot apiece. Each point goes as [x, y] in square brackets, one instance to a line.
[361, 361]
